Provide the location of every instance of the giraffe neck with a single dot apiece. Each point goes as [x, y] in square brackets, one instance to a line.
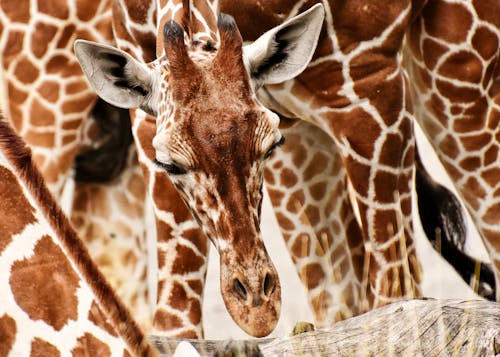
[53, 284]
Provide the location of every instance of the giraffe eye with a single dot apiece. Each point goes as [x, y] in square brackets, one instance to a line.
[171, 168]
[274, 146]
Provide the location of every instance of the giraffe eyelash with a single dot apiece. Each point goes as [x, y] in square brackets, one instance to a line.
[278, 143]
[171, 168]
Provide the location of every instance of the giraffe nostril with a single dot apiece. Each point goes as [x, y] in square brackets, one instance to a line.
[269, 285]
[239, 288]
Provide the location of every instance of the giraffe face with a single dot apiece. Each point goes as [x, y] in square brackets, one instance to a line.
[213, 137]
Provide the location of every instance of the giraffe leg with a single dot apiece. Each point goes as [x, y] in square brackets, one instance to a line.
[456, 76]
[307, 186]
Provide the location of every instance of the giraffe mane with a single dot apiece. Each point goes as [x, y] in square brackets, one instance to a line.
[19, 156]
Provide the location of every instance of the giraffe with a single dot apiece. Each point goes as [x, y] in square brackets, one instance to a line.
[49, 103]
[455, 64]
[250, 285]
[53, 300]
[370, 235]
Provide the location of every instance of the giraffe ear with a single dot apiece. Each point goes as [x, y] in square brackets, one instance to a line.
[117, 77]
[285, 51]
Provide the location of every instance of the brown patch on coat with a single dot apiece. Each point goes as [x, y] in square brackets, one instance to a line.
[41, 348]
[41, 37]
[166, 321]
[17, 11]
[463, 66]
[89, 345]
[15, 210]
[449, 22]
[186, 261]
[45, 285]
[54, 8]
[8, 331]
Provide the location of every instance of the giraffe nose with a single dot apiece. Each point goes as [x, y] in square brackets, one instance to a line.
[254, 295]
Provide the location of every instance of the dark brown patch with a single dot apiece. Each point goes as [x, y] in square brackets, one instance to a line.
[41, 38]
[14, 45]
[86, 10]
[41, 348]
[89, 345]
[17, 11]
[284, 222]
[196, 285]
[385, 186]
[42, 139]
[359, 20]
[295, 201]
[178, 298]
[276, 196]
[79, 105]
[318, 190]
[490, 156]
[269, 176]
[491, 176]
[67, 34]
[194, 313]
[40, 115]
[167, 199]
[15, 210]
[8, 331]
[449, 22]
[49, 90]
[485, 42]
[476, 142]
[25, 71]
[462, 66]
[313, 215]
[391, 149]
[312, 275]
[449, 147]
[45, 285]
[347, 125]
[471, 163]
[186, 261]
[432, 52]
[316, 166]
[473, 118]
[472, 190]
[385, 225]
[301, 246]
[54, 8]
[492, 215]
[457, 94]
[488, 10]
[166, 321]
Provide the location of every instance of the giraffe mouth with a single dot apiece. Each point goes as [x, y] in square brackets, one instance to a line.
[252, 295]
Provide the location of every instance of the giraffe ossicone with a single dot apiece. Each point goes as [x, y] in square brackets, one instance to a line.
[213, 137]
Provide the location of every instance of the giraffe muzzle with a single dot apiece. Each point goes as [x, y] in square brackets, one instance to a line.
[252, 295]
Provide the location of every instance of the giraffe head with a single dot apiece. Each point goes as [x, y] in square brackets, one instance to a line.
[213, 137]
